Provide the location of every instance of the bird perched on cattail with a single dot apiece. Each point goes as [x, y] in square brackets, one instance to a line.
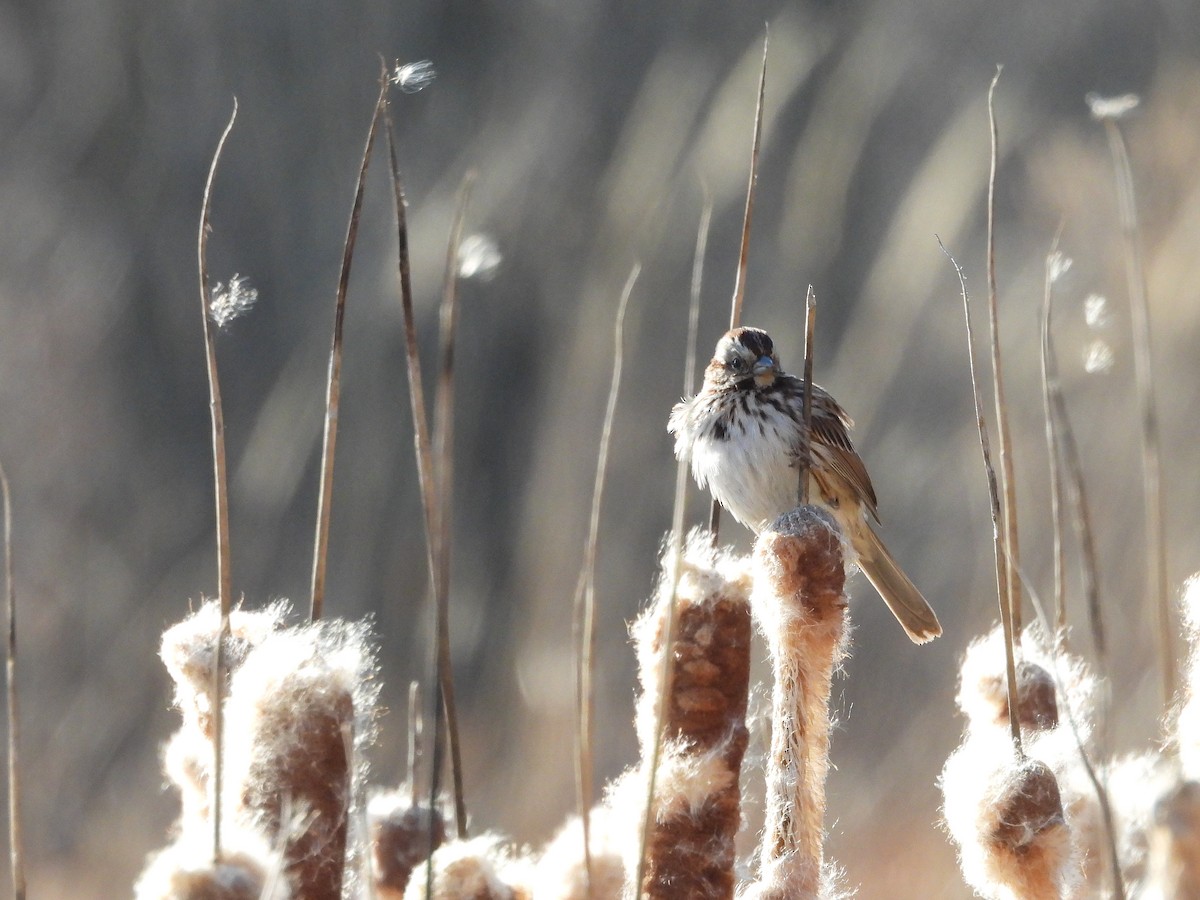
[743, 435]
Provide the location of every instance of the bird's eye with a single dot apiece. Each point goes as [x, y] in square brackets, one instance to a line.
[737, 364]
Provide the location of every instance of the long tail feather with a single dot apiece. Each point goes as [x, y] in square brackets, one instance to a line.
[907, 604]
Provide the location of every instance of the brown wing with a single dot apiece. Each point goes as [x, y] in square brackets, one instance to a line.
[831, 436]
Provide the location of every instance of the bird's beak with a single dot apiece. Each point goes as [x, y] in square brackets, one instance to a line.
[764, 371]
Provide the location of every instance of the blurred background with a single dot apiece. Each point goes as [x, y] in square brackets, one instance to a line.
[597, 130]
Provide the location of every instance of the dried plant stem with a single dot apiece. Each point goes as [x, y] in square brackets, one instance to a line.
[1065, 462]
[1156, 546]
[1001, 558]
[415, 728]
[739, 286]
[586, 594]
[810, 321]
[333, 383]
[443, 459]
[1008, 485]
[1054, 447]
[801, 610]
[221, 483]
[16, 839]
[424, 454]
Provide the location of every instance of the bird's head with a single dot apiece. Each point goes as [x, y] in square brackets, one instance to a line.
[744, 359]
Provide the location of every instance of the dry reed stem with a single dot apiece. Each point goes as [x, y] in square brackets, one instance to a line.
[1054, 443]
[696, 811]
[585, 610]
[800, 606]
[424, 455]
[810, 321]
[1139, 307]
[443, 469]
[16, 839]
[400, 840]
[739, 285]
[220, 478]
[999, 555]
[1008, 485]
[1064, 440]
[333, 383]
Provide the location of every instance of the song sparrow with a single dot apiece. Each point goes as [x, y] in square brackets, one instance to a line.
[743, 435]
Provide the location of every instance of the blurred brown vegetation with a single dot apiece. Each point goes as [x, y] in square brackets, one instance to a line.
[596, 129]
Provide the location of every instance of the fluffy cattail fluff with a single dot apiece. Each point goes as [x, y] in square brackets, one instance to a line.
[185, 870]
[697, 812]
[800, 607]
[1056, 706]
[188, 651]
[1188, 721]
[1026, 827]
[1134, 783]
[300, 709]
[481, 868]
[402, 836]
[560, 872]
[1006, 816]
[1173, 863]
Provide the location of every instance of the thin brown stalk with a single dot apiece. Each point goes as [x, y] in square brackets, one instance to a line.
[1008, 484]
[671, 625]
[333, 384]
[424, 453]
[1156, 546]
[586, 595]
[414, 739]
[1001, 561]
[16, 840]
[1054, 445]
[810, 321]
[739, 285]
[443, 460]
[220, 479]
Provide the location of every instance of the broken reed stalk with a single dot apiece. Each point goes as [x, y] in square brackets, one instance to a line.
[1139, 307]
[810, 321]
[800, 606]
[585, 614]
[1008, 484]
[1054, 447]
[1001, 559]
[16, 840]
[739, 285]
[691, 727]
[220, 479]
[670, 627]
[424, 454]
[443, 461]
[333, 383]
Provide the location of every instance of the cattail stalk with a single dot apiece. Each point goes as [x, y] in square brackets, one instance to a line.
[696, 805]
[800, 607]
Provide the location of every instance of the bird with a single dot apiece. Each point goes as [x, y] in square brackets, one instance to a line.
[743, 436]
